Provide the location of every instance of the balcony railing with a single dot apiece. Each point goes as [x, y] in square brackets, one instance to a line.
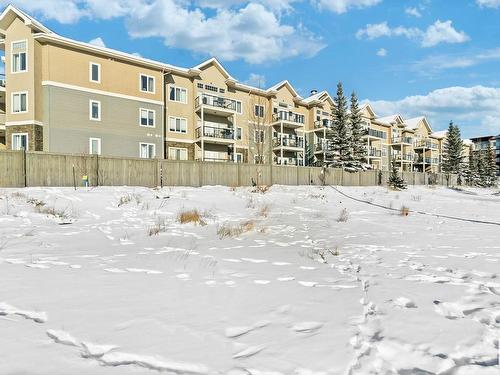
[215, 101]
[373, 152]
[289, 116]
[288, 142]
[220, 160]
[428, 160]
[376, 133]
[323, 146]
[325, 123]
[213, 132]
[426, 144]
[3, 81]
[407, 140]
[404, 157]
[289, 161]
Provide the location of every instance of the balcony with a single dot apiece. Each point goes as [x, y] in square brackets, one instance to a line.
[373, 152]
[402, 140]
[375, 133]
[426, 144]
[323, 146]
[427, 160]
[288, 142]
[218, 160]
[407, 158]
[216, 105]
[321, 124]
[288, 161]
[3, 81]
[289, 119]
[218, 135]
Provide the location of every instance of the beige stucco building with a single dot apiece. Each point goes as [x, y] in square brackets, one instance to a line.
[61, 95]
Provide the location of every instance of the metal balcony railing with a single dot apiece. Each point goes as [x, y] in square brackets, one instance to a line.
[215, 101]
[426, 144]
[374, 152]
[376, 133]
[407, 140]
[288, 142]
[213, 132]
[325, 123]
[289, 116]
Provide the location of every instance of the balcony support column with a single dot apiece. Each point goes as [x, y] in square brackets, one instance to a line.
[202, 134]
[281, 143]
[324, 146]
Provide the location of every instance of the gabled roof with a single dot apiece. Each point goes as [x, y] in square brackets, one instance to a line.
[368, 108]
[392, 119]
[11, 12]
[279, 85]
[319, 97]
[215, 62]
[440, 134]
[413, 123]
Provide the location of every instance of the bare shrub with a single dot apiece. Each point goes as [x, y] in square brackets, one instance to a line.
[227, 230]
[344, 216]
[124, 199]
[320, 254]
[159, 227]
[405, 211]
[264, 211]
[190, 216]
[262, 189]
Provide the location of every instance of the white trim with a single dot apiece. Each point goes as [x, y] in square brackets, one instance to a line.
[92, 101]
[98, 72]
[90, 145]
[180, 118]
[154, 117]
[181, 88]
[235, 136]
[12, 102]
[25, 122]
[140, 83]
[177, 148]
[100, 92]
[169, 139]
[241, 106]
[27, 140]
[147, 144]
[12, 56]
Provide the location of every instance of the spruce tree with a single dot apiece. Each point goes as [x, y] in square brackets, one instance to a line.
[340, 135]
[490, 167]
[481, 170]
[452, 153]
[395, 181]
[358, 147]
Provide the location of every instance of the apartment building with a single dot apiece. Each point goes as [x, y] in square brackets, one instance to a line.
[482, 144]
[61, 95]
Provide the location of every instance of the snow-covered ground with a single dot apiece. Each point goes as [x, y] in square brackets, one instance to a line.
[107, 281]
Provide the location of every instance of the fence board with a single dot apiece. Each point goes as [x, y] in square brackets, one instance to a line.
[11, 169]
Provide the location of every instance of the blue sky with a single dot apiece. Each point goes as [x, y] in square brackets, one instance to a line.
[438, 58]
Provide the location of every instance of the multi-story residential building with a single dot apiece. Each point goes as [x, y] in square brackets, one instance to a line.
[61, 95]
[482, 144]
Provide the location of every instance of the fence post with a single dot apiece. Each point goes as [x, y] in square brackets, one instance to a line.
[239, 173]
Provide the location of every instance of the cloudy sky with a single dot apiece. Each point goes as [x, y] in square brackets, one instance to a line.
[439, 58]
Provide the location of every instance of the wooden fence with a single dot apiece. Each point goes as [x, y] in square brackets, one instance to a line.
[19, 169]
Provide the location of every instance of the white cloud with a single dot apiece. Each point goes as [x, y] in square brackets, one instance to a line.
[342, 6]
[413, 12]
[439, 32]
[488, 3]
[474, 108]
[256, 80]
[97, 42]
[234, 29]
[382, 52]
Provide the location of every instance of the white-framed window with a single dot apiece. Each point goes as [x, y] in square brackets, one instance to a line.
[178, 94]
[19, 102]
[19, 62]
[94, 110]
[239, 133]
[239, 108]
[95, 146]
[20, 141]
[147, 117]
[147, 150]
[259, 110]
[177, 125]
[177, 153]
[238, 157]
[259, 136]
[95, 72]
[147, 83]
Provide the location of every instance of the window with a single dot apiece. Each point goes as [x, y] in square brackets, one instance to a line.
[95, 146]
[259, 110]
[177, 153]
[19, 57]
[147, 83]
[20, 141]
[19, 102]
[199, 85]
[95, 110]
[147, 117]
[178, 94]
[259, 136]
[239, 133]
[95, 72]
[238, 107]
[177, 125]
[222, 91]
[239, 157]
[147, 150]
[211, 88]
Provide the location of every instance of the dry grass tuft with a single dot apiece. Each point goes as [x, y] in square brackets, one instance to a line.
[124, 199]
[159, 227]
[262, 189]
[264, 211]
[344, 216]
[228, 230]
[405, 211]
[190, 216]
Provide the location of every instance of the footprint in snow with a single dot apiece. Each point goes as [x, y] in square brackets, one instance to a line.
[248, 352]
[36, 316]
[307, 327]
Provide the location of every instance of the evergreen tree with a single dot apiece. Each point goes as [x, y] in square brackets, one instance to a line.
[470, 171]
[481, 170]
[358, 147]
[490, 167]
[395, 181]
[452, 153]
[340, 135]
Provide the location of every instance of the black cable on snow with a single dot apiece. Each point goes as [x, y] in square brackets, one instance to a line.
[417, 212]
